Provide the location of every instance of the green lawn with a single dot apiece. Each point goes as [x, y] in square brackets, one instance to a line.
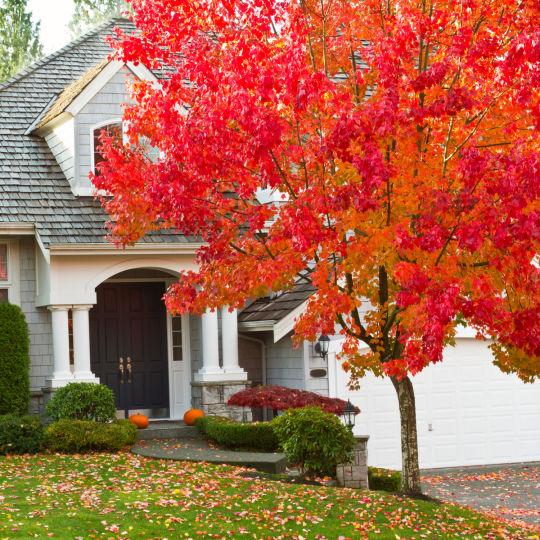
[124, 496]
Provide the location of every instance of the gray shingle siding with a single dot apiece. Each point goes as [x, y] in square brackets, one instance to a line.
[38, 319]
[285, 364]
[195, 337]
[250, 359]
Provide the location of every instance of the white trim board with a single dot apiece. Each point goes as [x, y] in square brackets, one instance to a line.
[146, 248]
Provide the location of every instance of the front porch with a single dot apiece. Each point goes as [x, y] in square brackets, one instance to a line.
[116, 331]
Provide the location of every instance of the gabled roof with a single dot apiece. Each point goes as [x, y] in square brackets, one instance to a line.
[33, 189]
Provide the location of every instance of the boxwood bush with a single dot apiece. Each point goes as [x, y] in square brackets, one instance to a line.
[384, 479]
[14, 361]
[73, 436]
[20, 434]
[82, 401]
[231, 434]
[314, 440]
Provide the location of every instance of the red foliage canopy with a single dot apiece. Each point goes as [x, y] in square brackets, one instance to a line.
[401, 145]
[282, 398]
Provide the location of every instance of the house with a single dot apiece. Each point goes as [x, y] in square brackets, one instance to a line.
[95, 312]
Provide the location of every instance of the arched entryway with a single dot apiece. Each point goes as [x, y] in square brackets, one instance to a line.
[136, 349]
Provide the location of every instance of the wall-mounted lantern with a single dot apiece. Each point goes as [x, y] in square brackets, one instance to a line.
[322, 345]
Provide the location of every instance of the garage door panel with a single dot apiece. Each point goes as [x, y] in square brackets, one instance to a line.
[474, 453]
[503, 424]
[473, 426]
[502, 450]
[446, 426]
[528, 424]
[470, 399]
[477, 414]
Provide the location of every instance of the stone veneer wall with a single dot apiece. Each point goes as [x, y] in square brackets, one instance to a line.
[211, 398]
[355, 473]
[39, 324]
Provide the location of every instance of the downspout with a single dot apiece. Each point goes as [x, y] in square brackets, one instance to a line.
[263, 364]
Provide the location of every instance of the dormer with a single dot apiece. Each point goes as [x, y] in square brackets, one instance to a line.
[73, 120]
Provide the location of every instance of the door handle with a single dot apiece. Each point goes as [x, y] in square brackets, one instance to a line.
[128, 366]
[121, 370]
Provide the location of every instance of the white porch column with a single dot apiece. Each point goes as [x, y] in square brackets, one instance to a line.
[62, 372]
[81, 344]
[210, 370]
[229, 340]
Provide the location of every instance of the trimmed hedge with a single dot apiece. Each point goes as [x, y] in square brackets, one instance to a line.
[384, 479]
[82, 401]
[233, 434]
[314, 440]
[73, 436]
[14, 361]
[20, 434]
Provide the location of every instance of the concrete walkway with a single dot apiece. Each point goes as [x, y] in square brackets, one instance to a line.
[189, 446]
[510, 491]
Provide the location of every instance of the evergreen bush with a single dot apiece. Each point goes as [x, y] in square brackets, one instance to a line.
[14, 361]
[82, 401]
[231, 434]
[314, 440]
[73, 436]
[384, 479]
[20, 434]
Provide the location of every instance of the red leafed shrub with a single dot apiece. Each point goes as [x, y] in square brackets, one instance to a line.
[281, 398]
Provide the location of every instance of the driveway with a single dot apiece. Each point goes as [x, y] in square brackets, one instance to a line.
[510, 491]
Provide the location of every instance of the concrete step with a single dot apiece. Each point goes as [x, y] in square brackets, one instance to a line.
[200, 450]
[168, 430]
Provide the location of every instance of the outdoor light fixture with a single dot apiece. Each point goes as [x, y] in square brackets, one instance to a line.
[349, 414]
[322, 345]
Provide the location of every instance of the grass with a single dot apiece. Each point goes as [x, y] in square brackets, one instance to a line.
[126, 496]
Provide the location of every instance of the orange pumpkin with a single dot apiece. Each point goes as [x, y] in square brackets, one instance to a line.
[192, 415]
[139, 420]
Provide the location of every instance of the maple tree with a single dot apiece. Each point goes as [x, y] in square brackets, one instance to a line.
[401, 142]
[281, 398]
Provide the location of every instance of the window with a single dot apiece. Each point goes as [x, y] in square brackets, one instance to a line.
[4, 262]
[177, 338]
[9, 272]
[113, 130]
[4, 276]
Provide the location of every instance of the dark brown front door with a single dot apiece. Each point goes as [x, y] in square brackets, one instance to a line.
[129, 323]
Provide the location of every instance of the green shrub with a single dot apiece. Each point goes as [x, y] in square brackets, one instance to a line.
[384, 479]
[82, 401]
[14, 361]
[227, 432]
[314, 440]
[20, 434]
[72, 436]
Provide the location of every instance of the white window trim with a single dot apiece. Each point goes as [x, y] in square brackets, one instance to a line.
[93, 127]
[12, 284]
[83, 191]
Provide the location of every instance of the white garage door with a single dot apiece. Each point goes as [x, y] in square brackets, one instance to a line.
[468, 412]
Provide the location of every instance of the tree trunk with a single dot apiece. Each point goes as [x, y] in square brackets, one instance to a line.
[410, 479]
